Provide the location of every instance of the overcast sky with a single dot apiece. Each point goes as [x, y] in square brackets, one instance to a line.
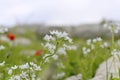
[57, 11]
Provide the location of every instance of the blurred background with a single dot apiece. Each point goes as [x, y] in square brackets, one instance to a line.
[82, 15]
[57, 12]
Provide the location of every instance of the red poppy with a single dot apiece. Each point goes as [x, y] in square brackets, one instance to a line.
[11, 36]
[38, 52]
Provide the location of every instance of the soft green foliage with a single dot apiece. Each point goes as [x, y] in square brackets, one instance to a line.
[75, 61]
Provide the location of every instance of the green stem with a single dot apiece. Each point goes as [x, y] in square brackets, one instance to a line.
[42, 62]
[113, 43]
[113, 37]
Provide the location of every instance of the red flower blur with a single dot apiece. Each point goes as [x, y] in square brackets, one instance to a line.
[11, 36]
[38, 52]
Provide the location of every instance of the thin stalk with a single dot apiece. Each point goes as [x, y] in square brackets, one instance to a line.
[42, 62]
[113, 44]
[106, 70]
[113, 37]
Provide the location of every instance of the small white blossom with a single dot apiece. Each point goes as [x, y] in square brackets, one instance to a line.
[94, 40]
[2, 47]
[85, 50]
[10, 71]
[50, 47]
[24, 66]
[61, 51]
[48, 38]
[38, 68]
[99, 39]
[27, 71]
[105, 44]
[35, 66]
[14, 67]
[68, 39]
[23, 74]
[89, 41]
[55, 57]
[59, 34]
[2, 64]
[17, 77]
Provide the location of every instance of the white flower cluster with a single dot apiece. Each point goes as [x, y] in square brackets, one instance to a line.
[92, 44]
[56, 35]
[51, 47]
[85, 50]
[104, 45]
[27, 72]
[54, 39]
[90, 41]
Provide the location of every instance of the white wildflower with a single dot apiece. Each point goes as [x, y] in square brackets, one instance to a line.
[31, 69]
[24, 74]
[48, 38]
[2, 64]
[6, 29]
[24, 66]
[14, 67]
[35, 66]
[68, 39]
[105, 44]
[50, 47]
[85, 50]
[31, 63]
[59, 34]
[2, 47]
[55, 57]
[12, 78]
[61, 51]
[89, 41]
[94, 40]
[99, 39]
[17, 77]
[38, 68]
[10, 71]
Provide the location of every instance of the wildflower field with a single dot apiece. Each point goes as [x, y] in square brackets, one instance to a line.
[56, 56]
